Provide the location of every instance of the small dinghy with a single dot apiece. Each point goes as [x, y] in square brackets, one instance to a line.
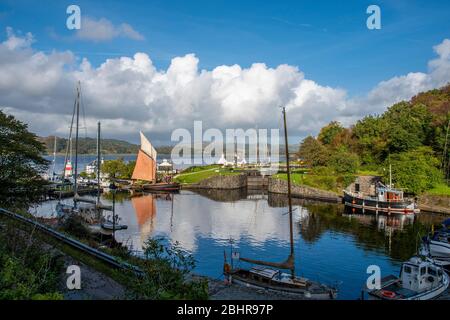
[107, 224]
[420, 279]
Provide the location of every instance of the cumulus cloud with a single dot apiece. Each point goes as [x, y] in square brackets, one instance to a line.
[129, 94]
[102, 29]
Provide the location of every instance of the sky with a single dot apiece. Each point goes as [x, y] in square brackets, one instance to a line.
[160, 65]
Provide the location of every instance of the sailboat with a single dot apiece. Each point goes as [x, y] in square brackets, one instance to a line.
[268, 275]
[92, 213]
[145, 169]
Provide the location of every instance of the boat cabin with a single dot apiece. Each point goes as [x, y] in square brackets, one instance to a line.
[418, 275]
[389, 194]
[263, 274]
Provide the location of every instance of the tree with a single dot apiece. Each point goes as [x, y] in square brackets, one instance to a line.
[115, 169]
[415, 170]
[343, 161]
[21, 164]
[313, 152]
[118, 169]
[329, 132]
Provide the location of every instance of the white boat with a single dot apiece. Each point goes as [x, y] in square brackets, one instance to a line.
[420, 279]
[437, 244]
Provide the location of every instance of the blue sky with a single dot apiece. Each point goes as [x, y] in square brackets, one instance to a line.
[328, 40]
[319, 59]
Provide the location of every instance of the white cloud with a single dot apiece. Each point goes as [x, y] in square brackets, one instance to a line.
[104, 30]
[129, 94]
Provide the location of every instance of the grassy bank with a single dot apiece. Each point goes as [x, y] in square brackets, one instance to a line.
[333, 183]
[197, 174]
[440, 190]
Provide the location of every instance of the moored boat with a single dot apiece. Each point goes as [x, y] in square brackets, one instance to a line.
[437, 244]
[420, 279]
[267, 275]
[386, 199]
[162, 186]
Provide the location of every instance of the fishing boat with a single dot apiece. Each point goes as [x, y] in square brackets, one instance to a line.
[268, 275]
[437, 244]
[386, 199]
[420, 279]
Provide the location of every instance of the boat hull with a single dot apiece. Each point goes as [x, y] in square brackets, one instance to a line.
[426, 295]
[400, 207]
[163, 187]
[439, 250]
[299, 292]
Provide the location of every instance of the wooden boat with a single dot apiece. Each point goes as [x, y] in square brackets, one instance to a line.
[267, 275]
[387, 199]
[162, 186]
[420, 279]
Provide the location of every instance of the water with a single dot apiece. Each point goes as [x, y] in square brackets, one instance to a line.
[331, 244]
[85, 159]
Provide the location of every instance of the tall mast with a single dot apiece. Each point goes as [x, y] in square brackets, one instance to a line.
[76, 142]
[390, 175]
[54, 159]
[98, 162]
[291, 231]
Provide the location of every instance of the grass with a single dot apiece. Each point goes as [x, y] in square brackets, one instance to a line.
[334, 183]
[440, 190]
[197, 174]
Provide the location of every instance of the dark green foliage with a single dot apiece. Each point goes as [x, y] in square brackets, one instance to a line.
[415, 129]
[166, 271]
[329, 132]
[21, 164]
[27, 270]
[89, 146]
[313, 152]
[415, 170]
[118, 169]
[344, 162]
[74, 226]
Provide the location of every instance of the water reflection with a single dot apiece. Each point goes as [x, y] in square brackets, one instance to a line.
[331, 243]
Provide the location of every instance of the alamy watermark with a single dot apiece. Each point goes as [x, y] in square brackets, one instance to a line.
[374, 20]
[74, 19]
[234, 146]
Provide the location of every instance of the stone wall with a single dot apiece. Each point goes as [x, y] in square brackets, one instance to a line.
[367, 184]
[222, 182]
[281, 186]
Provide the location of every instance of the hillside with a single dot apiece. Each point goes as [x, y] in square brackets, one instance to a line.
[411, 136]
[89, 145]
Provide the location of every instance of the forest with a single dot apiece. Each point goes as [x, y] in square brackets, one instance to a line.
[410, 136]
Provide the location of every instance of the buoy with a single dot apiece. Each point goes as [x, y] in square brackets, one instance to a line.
[388, 294]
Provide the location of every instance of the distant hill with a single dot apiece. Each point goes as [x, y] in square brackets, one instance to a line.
[89, 145]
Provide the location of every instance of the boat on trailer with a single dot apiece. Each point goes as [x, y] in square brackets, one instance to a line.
[420, 279]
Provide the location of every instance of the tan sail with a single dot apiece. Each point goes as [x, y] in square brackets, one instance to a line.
[288, 264]
[145, 168]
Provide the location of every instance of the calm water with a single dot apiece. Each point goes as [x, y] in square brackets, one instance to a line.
[330, 244]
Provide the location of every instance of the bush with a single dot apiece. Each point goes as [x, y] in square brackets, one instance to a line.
[165, 273]
[416, 170]
[344, 162]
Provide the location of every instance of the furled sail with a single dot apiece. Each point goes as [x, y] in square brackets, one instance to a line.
[145, 168]
[288, 264]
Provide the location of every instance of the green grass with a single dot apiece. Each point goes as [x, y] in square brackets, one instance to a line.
[440, 190]
[334, 183]
[197, 174]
